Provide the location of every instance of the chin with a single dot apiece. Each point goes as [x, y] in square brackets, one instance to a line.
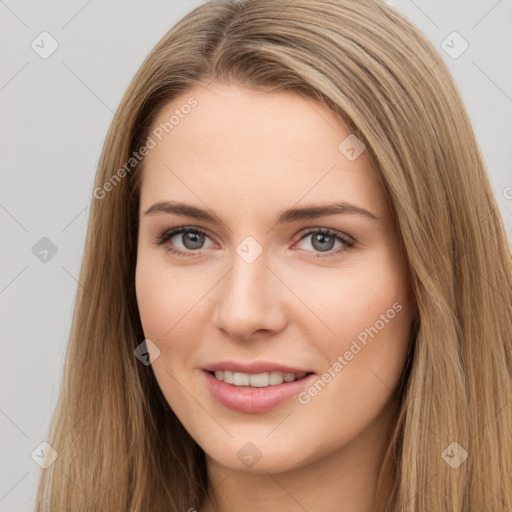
[253, 457]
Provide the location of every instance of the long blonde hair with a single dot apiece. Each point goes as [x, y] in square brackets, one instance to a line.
[120, 446]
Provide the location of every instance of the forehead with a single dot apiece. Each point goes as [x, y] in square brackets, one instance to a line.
[253, 150]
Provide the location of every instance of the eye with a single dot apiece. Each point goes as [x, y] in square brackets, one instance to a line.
[323, 240]
[192, 240]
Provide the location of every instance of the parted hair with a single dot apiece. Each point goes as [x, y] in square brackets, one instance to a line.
[120, 446]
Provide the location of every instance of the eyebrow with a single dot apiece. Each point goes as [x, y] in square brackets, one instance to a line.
[284, 216]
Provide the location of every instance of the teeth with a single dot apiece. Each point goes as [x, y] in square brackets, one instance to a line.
[275, 378]
[256, 380]
[241, 379]
[259, 380]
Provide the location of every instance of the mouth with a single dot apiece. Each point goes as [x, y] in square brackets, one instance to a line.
[257, 380]
[255, 393]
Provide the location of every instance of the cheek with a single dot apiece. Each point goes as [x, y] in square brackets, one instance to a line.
[170, 309]
[152, 300]
[360, 296]
[364, 362]
[165, 303]
[370, 315]
[163, 296]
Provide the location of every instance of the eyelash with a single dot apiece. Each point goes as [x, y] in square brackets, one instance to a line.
[188, 229]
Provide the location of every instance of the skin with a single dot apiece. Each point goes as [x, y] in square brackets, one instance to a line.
[247, 155]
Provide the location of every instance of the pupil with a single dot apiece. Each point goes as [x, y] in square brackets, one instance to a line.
[321, 236]
[193, 240]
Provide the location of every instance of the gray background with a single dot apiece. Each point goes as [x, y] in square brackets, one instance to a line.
[55, 115]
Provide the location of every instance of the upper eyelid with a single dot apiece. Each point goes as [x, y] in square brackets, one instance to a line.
[169, 233]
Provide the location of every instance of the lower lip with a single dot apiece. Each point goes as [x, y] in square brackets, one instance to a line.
[254, 400]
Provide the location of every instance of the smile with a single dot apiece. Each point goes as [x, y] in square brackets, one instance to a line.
[254, 393]
[257, 380]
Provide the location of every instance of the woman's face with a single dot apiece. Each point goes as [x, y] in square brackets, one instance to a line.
[267, 281]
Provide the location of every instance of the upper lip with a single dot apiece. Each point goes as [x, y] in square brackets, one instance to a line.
[254, 367]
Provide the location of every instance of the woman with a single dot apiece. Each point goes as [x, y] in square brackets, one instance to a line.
[296, 292]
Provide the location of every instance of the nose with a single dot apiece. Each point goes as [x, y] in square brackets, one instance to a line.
[249, 300]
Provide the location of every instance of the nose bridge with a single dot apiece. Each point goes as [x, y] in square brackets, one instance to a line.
[247, 285]
[248, 298]
[249, 269]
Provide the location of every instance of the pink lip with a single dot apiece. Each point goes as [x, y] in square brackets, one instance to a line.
[255, 367]
[254, 400]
